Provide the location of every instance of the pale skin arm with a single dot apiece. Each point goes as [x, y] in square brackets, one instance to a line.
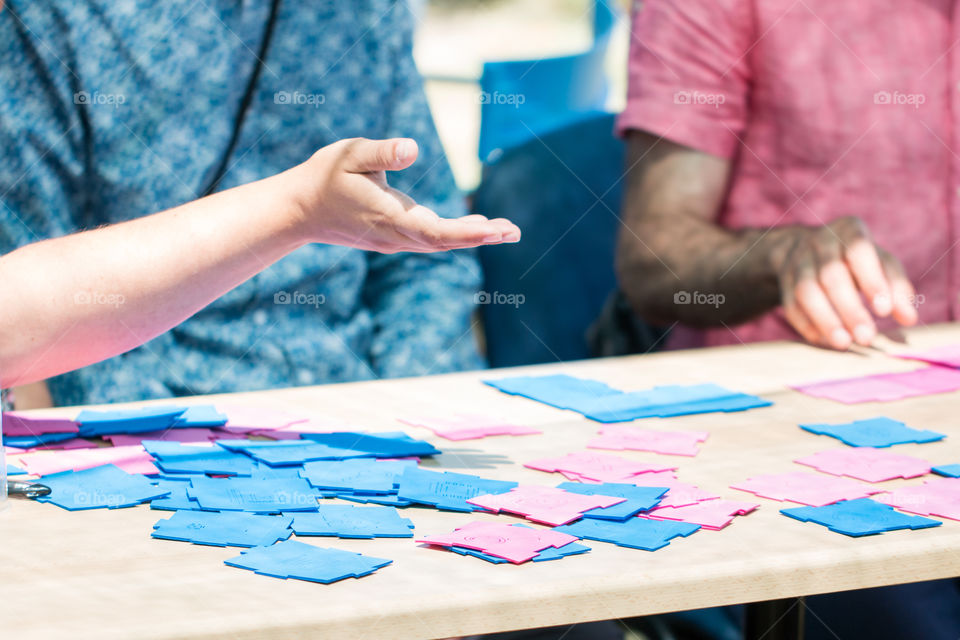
[831, 280]
[72, 301]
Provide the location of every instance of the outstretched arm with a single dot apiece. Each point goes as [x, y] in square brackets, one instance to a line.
[72, 301]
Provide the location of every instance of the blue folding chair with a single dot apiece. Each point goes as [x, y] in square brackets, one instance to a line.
[563, 190]
[524, 99]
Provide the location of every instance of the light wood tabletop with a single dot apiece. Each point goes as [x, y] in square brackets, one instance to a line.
[99, 574]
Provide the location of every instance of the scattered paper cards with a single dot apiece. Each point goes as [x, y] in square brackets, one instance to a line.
[875, 432]
[805, 488]
[105, 487]
[861, 517]
[546, 505]
[885, 387]
[676, 443]
[709, 514]
[636, 533]
[446, 490]
[513, 543]
[293, 559]
[346, 521]
[602, 403]
[596, 467]
[866, 463]
[223, 529]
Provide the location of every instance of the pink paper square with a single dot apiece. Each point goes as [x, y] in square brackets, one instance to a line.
[513, 543]
[886, 387]
[185, 434]
[711, 514]
[132, 459]
[72, 443]
[947, 356]
[680, 494]
[547, 505]
[469, 427]
[805, 488]
[677, 443]
[16, 423]
[866, 463]
[600, 467]
[940, 497]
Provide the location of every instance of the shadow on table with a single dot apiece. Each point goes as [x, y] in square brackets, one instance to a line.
[467, 458]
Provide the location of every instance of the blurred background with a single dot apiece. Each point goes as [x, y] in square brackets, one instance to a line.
[456, 37]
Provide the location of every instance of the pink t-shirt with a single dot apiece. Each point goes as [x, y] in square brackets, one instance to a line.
[826, 108]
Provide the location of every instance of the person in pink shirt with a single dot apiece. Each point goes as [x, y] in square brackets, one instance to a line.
[791, 172]
[791, 175]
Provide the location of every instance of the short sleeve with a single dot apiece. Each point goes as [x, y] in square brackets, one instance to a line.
[689, 72]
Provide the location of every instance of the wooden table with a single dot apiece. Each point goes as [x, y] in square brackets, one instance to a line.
[98, 574]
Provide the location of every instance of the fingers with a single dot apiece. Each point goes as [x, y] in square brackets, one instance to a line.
[838, 283]
[825, 277]
[429, 232]
[372, 156]
[903, 295]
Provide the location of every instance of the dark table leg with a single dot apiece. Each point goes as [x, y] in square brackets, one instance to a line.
[775, 620]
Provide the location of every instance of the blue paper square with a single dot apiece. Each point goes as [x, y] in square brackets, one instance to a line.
[28, 442]
[15, 471]
[638, 498]
[364, 475]
[389, 500]
[177, 457]
[378, 445]
[98, 423]
[281, 453]
[256, 495]
[201, 415]
[105, 487]
[560, 391]
[348, 521]
[293, 559]
[449, 491]
[860, 517]
[636, 533]
[948, 470]
[875, 432]
[223, 529]
[177, 500]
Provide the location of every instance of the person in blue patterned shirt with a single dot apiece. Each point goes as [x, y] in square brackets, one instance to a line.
[110, 110]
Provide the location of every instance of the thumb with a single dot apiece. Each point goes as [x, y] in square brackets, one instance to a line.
[372, 156]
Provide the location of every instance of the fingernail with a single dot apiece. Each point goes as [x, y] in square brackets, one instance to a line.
[863, 334]
[840, 339]
[405, 149]
[881, 304]
[493, 238]
[512, 236]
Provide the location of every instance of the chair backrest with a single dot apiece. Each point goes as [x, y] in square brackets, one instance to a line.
[524, 99]
[563, 190]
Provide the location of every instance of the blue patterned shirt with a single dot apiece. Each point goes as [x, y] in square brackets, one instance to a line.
[114, 109]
